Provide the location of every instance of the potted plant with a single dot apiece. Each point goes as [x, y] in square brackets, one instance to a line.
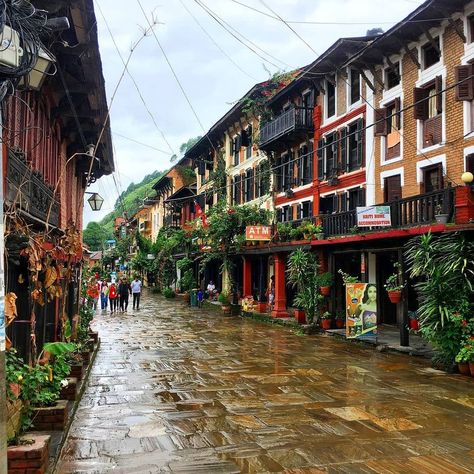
[465, 358]
[325, 282]
[326, 320]
[413, 317]
[394, 284]
[300, 316]
[225, 302]
[340, 319]
[309, 230]
[440, 216]
[284, 231]
[346, 278]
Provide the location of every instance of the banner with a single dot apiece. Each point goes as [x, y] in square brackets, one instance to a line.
[373, 216]
[258, 232]
[361, 310]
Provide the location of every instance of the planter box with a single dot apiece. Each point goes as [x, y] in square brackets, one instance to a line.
[51, 418]
[14, 413]
[77, 371]
[94, 336]
[86, 357]
[69, 392]
[29, 458]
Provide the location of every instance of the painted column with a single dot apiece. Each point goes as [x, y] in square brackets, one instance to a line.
[279, 308]
[247, 289]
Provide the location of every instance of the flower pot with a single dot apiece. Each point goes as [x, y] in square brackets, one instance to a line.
[414, 324]
[442, 218]
[395, 296]
[326, 324]
[300, 316]
[226, 309]
[325, 290]
[261, 307]
[339, 323]
[52, 418]
[31, 456]
[463, 368]
[471, 368]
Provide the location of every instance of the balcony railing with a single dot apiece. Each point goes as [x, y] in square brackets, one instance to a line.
[406, 212]
[296, 118]
[27, 190]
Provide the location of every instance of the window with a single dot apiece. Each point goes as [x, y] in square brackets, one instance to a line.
[388, 125]
[286, 171]
[247, 141]
[305, 165]
[470, 22]
[330, 153]
[249, 185]
[356, 197]
[354, 86]
[392, 188]
[392, 76]
[432, 178]
[431, 53]
[285, 214]
[328, 204]
[354, 145]
[306, 210]
[428, 107]
[236, 146]
[237, 189]
[209, 200]
[330, 97]
[470, 163]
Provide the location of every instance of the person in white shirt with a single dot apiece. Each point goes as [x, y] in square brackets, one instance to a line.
[211, 290]
[136, 286]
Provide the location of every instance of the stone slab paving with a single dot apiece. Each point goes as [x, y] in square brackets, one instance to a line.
[183, 390]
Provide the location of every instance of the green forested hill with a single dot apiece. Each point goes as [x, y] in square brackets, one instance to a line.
[132, 197]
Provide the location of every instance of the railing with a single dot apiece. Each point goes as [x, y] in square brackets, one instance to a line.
[27, 190]
[406, 212]
[296, 118]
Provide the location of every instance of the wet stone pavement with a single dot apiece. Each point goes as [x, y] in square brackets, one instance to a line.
[175, 389]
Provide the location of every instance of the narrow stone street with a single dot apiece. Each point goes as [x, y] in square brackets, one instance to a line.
[175, 389]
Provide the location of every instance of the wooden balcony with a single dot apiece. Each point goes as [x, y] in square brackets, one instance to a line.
[406, 212]
[27, 191]
[295, 123]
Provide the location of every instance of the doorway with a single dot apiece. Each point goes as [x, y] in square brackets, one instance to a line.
[387, 314]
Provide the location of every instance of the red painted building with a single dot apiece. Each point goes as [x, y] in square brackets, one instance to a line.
[56, 141]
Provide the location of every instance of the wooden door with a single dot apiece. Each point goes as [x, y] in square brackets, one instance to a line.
[392, 188]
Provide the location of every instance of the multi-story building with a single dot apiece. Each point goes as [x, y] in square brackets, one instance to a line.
[56, 142]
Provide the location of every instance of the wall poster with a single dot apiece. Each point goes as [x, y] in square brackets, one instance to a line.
[361, 310]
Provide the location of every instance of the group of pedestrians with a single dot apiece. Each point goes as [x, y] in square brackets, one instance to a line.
[114, 295]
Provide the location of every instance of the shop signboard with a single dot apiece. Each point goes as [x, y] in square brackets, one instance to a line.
[361, 310]
[374, 216]
[258, 232]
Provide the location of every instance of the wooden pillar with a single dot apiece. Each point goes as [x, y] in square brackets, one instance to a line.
[279, 308]
[247, 289]
[402, 308]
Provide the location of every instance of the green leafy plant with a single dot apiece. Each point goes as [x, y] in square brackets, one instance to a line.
[310, 230]
[284, 231]
[444, 269]
[168, 293]
[224, 298]
[395, 281]
[302, 272]
[325, 279]
[326, 315]
[346, 278]
[466, 353]
[341, 315]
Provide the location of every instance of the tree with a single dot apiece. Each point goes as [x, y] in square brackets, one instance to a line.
[184, 147]
[94, 236]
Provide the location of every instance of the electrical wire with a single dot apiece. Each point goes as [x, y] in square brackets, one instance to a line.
[141, 143]
[137, 88]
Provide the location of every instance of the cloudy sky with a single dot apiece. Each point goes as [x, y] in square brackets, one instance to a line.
[215, 69]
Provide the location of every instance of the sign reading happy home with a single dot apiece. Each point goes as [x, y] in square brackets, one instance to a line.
[373, 216]
[258, 232]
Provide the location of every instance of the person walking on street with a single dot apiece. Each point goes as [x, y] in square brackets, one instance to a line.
[124, 291]
[136, 291]
[93, 292]
[104, 295]
[113, 298]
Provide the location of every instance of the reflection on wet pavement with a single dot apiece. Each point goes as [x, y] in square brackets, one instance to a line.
[175, 389]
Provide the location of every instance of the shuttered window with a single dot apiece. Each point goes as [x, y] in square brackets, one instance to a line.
[320, 154]
[306, 209]
[432, 178]
[330, 97]
[354, 86]
[470, 163]
[464, 79]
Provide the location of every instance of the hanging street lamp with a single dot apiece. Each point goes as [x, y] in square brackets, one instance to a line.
[95, 201]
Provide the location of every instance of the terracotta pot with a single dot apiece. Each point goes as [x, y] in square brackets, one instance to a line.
[326, 324]
[414, 324]
[325, 290]
[261, 307]
[339, 323]
[463, 368]
[395, 296]
[300, 316]
[226, 309]
[471, 368]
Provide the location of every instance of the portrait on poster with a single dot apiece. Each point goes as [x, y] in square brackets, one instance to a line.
[361, 310]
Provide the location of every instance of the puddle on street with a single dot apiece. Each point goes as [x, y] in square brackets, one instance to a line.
[175, 389]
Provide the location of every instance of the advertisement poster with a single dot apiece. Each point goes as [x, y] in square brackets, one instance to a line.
[361, 310]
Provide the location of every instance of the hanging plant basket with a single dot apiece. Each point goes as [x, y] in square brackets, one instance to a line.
[325, 290]
[395, 296]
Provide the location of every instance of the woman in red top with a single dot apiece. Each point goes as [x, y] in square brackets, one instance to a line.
[113, 298]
